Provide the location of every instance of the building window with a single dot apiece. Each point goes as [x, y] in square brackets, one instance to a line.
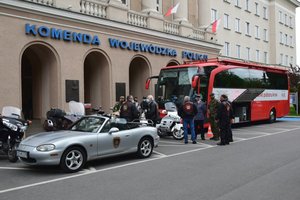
[291, 41]
[280, 17]
[226, 50]
[159, 6]
[281, 38]
[248, 53]
[291, 22]
[237, 25]
[265, 12]
[248, 29]
[257, 32]
[257, 56]
[281, 59]
[285, 19]
[266, 57]
[286, 61]
[265, 35]
[124, 2]
[286, 39]
[238, 51]
[226, 21]
[256, 9]
[237, 3]
[292, 60]
[213, 16]
[247, 5]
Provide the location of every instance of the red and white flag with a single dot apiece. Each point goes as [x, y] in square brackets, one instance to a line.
[172, 10]
[215, 25]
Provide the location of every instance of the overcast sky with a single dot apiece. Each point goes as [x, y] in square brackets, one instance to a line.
[298, 34]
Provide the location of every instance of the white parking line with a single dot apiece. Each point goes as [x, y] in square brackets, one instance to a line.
[15, 168]
[129, 164]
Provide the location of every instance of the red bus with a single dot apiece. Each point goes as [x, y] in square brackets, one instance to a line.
[257, 92]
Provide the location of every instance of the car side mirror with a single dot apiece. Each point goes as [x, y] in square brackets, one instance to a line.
[113, 130]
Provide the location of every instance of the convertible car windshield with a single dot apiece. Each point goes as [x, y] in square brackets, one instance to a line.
[88, 124]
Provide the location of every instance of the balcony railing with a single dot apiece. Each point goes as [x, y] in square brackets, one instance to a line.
[93, 8]
[45, 2]
[171, 28]
[136, 19]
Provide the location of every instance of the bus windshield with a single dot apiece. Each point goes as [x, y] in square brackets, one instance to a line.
[174, 84]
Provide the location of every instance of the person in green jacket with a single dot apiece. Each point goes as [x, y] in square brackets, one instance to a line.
[212, 113]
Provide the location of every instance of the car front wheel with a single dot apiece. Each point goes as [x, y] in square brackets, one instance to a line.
[73, 159]
[145, 147]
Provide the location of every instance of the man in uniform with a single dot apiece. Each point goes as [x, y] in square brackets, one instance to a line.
[118, 105]
[200, 116]
[212, 113]
[152, 110]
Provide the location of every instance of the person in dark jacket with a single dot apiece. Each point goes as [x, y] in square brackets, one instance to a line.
[128, 109]
[187, 112]
[223, 118]
[200, 116]
[152, 110]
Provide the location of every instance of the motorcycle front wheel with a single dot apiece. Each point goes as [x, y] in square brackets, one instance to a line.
[178, 134]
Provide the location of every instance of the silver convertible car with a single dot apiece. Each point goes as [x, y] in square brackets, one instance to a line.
[91, 137]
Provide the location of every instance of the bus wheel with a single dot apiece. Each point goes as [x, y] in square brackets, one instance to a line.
[272, 116]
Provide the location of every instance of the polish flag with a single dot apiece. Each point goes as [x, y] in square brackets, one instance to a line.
[172, 10]
[215, 25]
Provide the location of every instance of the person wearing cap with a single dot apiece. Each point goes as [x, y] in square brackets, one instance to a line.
[212, 113]
[223, 117]
[200, 116]
[128, 110]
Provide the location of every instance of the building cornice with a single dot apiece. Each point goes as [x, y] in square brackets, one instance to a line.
[295, 2]
[68, 15]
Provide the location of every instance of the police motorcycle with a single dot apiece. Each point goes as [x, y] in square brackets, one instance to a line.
[170, 124]
[12, 130]
[58, 119]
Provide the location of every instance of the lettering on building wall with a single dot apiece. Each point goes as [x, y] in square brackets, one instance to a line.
[142, 47]
[59, 34]
[193, 56]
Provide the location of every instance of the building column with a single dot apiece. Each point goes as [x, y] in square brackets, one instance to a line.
[182, 13]
[149, 6]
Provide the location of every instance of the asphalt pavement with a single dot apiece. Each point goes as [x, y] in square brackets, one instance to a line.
[262, 163]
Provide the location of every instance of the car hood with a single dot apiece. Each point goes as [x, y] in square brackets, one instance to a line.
[49, 137]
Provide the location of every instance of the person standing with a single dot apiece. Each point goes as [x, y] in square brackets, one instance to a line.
[212, 112]
[187, 112]
[128, 109]
[231, 121]
[152, 110]
[223, 117]
[199, 117]
[118, 105]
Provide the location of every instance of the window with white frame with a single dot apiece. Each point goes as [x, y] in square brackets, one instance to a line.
[292, 60]
[266, 57]
[159, 6]
[265, 10]
[248, 53]
[237, 25]
[281, 37]
[226, 21]
[256, 9]
[226, 48]
[238, 51]
[281, 59]
[291, 41]
[247, 5]
[257, 32]
[257, 55]
[285, 39]
[280, 17]
[213, 16]
[285, 19]
[286, 60]
[291, 22]
[237, 3]
[248, 28]
[265, 35]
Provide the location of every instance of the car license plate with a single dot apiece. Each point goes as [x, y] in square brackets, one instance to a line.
[22, 154]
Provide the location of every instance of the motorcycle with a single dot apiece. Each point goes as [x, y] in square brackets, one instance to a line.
[170, 124]
[58, 119]
[12, 130]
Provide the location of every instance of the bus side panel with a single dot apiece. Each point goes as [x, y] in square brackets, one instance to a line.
[260, 110]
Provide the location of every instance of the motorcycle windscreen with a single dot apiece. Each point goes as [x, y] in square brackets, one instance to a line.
[170, 106]
[76, 108]
[11, 111]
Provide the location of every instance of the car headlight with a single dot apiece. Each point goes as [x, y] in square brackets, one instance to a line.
[45, 147]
